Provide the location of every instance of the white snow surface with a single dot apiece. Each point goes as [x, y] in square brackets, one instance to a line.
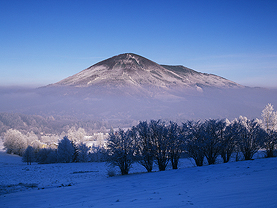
[235, 184]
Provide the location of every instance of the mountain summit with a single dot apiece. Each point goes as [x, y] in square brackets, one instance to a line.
[131, 88]
[131, 70]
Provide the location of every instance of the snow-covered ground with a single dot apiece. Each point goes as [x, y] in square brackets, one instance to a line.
[235, 184]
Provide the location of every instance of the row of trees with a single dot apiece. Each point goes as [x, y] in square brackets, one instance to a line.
[67, 152]
[15, 142]
[53, 124]
[159, 142]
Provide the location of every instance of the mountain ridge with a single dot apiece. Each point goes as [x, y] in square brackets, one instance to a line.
[132, 70]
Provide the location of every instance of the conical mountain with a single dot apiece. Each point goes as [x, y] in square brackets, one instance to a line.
[131, 87]
[131, 70]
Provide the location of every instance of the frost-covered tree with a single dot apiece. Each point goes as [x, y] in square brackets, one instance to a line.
[270, 126]
[66, 151]
[194, 144]
[15, 142]
[250, 137]
[82, 153]
[76, 151]
[145, 148]
[50, 140]
[161, 143]
[176, 143]
[212, 133]
[31, 138]
[37, 145]
[77, 136]
[228, 141]
[47, 156]
[269, 118]
[97, 154]
[29, 155]
[121, 150]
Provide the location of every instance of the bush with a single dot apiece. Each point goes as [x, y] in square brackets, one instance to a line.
[111, 172]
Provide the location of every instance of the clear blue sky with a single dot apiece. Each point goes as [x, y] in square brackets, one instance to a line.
[44, 41]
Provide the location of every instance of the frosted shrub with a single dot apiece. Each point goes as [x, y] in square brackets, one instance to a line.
[15, 142]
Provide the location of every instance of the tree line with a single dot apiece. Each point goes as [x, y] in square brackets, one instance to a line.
[158, 142]
[68, 151]
[44, 149]
[53, 124]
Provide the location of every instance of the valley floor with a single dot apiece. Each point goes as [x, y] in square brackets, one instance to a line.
[235, 184]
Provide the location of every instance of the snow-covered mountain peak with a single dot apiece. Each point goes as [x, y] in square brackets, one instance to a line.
[131, 70]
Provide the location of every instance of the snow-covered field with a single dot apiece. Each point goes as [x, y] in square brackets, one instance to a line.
[235, 184]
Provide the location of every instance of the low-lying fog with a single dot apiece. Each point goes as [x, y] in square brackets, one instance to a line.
[90, 103]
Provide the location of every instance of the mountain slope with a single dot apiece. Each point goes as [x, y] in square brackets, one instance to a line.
[131, 70]
[131, 87]
[194, 78]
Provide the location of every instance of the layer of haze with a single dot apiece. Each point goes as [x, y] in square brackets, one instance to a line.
[116, 105]
[43, 42]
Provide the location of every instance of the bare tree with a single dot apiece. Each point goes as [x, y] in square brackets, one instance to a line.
[176, 143]
[145, 151]
[121, 150]
[212, 132]
[161, 143]
[194, 141]
[228, 141]
[29, 155]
